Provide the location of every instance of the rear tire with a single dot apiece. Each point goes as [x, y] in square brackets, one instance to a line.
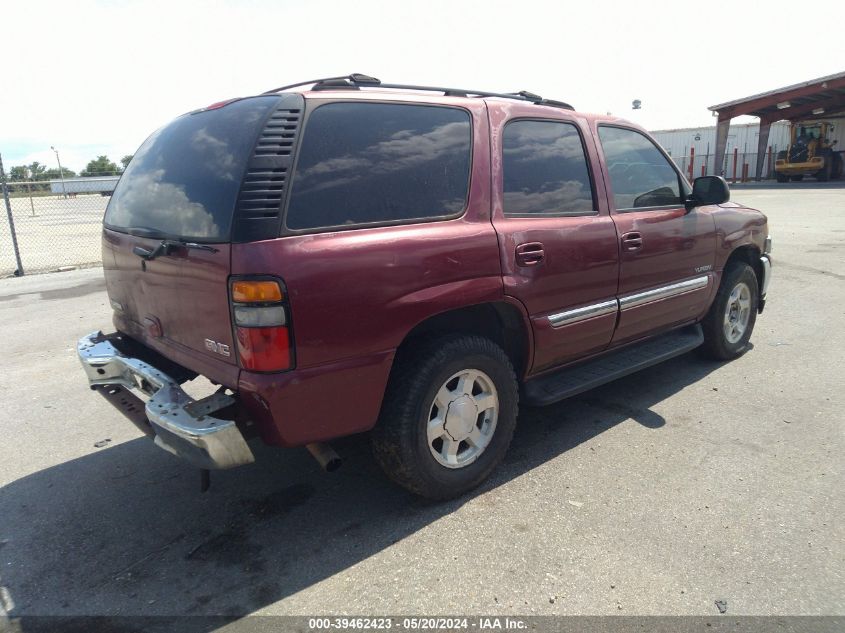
[797, 178]
[448, 415]
[730, 320]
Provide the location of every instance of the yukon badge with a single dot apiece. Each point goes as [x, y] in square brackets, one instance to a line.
[217, 348]
[703, 269]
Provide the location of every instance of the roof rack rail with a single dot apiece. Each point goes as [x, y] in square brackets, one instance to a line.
[354, 78]
[355, 81]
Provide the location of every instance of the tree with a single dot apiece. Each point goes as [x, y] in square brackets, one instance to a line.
[125, 161]
[18, 173]
[37, 170]
[53, 174]
[100, 166]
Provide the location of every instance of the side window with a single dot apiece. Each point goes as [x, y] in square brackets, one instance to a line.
[640, 175]
[364, 163]
[545, 170]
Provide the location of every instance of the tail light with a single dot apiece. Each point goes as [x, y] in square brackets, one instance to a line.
[260, 316]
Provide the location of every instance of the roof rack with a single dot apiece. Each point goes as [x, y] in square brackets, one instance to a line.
[356, 81]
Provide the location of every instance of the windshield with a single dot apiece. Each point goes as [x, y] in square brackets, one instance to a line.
[809, 132]
[184, 180]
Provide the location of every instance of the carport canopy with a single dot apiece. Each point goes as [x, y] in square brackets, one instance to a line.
[824, 96]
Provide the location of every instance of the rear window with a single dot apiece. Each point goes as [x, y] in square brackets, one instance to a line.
[371, 163]
[184, 180]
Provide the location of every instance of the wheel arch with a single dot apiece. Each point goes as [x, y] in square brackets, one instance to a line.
[500, 321]
[749, 254]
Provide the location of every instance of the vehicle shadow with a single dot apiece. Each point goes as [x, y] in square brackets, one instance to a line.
[125, 531]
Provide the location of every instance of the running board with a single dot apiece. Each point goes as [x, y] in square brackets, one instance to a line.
[571, 381]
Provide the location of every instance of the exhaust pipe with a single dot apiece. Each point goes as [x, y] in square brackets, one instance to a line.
[325, 456]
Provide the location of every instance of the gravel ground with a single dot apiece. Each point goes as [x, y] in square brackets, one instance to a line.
[660, 494]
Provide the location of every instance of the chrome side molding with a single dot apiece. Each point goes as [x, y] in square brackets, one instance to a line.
[664, 292]
[609, 306]
[585, 312]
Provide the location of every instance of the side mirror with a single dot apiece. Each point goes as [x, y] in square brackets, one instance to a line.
[708, 190]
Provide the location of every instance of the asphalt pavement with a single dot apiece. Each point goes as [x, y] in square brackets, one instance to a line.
[663, 493]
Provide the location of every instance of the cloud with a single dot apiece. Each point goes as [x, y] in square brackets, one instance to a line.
[215, 154]
[404, 150]
[567, 196]
[147, 201]
[529, 142]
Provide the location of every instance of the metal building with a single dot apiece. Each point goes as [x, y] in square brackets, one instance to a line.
[692, 148]
[818, 98]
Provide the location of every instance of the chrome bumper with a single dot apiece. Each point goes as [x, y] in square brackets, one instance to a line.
[182, 426]
[766, 261]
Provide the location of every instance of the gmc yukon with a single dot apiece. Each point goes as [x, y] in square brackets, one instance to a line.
[345, 256]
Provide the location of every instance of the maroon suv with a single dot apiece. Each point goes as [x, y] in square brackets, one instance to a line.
[408, 261]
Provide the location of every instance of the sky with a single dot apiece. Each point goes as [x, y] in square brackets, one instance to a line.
[95, 78]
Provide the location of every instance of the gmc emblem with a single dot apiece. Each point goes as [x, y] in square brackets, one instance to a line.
[217, 348]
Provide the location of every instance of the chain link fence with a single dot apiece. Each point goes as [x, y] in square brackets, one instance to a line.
[52, 225]
[734, 165]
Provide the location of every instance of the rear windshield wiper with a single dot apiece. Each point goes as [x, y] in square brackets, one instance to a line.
[165, 246]
[144, 231]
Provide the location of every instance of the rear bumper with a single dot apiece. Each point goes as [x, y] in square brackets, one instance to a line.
[181, 425]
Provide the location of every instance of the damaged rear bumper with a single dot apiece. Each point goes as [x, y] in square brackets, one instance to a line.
[180, 425]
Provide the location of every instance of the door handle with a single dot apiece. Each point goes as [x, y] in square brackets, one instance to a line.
[632, 241]
[529, 254]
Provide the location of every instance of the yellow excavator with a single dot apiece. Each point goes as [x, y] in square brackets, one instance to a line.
[810, 153]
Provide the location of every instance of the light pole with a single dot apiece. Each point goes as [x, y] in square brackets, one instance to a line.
[61, 173]
[28, 174]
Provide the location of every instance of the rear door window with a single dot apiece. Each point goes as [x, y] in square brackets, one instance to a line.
[545, 170]
[640, 175]
[379, 163]
[184, 180]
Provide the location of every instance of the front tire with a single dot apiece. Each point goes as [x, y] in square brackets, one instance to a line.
[448, 416]
[730, 320]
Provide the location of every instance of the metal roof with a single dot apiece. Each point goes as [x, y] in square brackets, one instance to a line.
[790, 102]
